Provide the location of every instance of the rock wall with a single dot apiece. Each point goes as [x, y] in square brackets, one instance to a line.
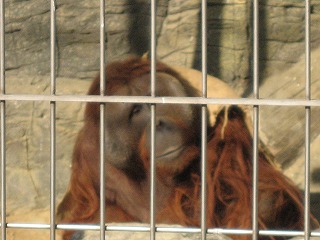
[27, 28]
[283, 127]
[283, 33]
[178, 30]
[28, 140]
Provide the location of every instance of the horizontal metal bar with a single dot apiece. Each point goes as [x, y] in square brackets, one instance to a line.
[129, 228]
[178, 230]
[28, 225]
[78, 227]
[173, 229]
[163, 100]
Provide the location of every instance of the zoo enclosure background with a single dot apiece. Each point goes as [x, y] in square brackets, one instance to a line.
[27, 53]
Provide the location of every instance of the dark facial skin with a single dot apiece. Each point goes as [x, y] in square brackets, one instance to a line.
[128, 123]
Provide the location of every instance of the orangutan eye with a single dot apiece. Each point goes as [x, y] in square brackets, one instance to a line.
[135, 110]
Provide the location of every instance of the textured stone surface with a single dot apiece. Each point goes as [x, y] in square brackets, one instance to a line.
[28, 140]
[283, 33]
[178, 35]
[27, 28]
[283, 128]
[180, 39]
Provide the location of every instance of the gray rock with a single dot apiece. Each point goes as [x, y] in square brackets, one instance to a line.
[27, 28]
[28, 140]
[283, 128]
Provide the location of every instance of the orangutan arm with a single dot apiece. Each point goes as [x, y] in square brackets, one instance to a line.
[131, 196]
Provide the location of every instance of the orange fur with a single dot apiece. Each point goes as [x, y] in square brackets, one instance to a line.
[229, 174]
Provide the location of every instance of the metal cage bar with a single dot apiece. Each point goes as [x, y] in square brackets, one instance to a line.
[3, 169]
[52, 119]
[102, 172]
[2, 122]
[255, 177]
[153, 56]
[164, 100]
[102, 121]
[167, 229]
[307, 121]
[2, 47]
[202, 101]
[204, 121]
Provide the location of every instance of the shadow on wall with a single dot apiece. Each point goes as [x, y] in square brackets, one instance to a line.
[216, 28]
[263, 50]
[139, 35]
[139, 29]
[226, 39]
[213, 40]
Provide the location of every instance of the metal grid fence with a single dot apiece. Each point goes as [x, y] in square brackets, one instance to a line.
[255, 102]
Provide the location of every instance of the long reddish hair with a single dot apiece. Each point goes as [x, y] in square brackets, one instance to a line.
[229, 185]
[229, 172]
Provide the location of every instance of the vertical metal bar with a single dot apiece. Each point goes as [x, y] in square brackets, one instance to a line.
[52, 119]
[307, 49]
[2, 49]
[102, 47]
[2, 124]
[255, 177]
[153, 174]
[204, 47]
[102, 172]
[102, 121]
[3, 169]
[256, 49]
[307, 120]
[307, 174]
[203, 172]
[153, 47]
[52, 169]
[204, 121]
[153, 122]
